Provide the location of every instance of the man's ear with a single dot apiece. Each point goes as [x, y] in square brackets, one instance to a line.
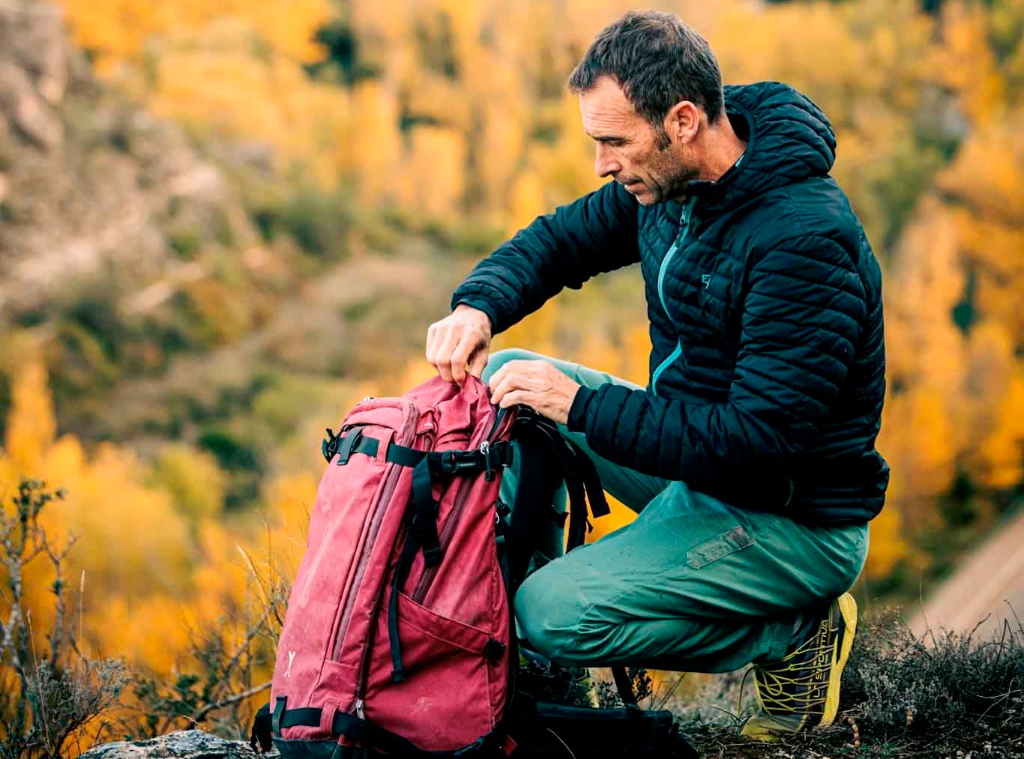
[682, 122]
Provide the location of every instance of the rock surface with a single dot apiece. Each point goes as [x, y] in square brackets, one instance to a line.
[89, 181]
[184, 744]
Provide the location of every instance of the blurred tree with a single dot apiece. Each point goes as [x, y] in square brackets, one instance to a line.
[117, 31]
[30, 428]
[374, 143]
[968, 64]
[457, 110]
[193, 480]
[433, 179]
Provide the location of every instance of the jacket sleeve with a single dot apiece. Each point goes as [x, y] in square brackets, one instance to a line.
[594, 234]
[803, 314]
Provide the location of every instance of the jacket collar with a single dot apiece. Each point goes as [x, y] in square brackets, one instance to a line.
[789, 139]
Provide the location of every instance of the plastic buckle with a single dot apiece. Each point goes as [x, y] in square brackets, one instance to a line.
[448, 463]
[329, 447]
[347, 444]
[453, 462]
[432, 556]
[485, 452]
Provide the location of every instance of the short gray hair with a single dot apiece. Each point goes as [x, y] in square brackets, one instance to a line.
[658, 61]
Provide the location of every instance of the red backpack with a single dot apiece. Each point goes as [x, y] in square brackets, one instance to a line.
[398, 638]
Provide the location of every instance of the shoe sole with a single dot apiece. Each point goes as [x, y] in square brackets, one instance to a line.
[844, 644]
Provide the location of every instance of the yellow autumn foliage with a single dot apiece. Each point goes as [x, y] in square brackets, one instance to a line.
[117, 31]
[215, 78]
[463, 116]
[432, 181]
[31, 426]
[194, 481]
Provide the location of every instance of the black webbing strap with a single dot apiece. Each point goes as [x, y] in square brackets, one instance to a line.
[409, 549]
[422, 533]
[488, 458]
[624, 684]
[550, 457]
[424, 513]
[275, 718]
[376, 737]
[260, 739]
[591, 480]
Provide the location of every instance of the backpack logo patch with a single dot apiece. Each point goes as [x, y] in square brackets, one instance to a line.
[291, 658]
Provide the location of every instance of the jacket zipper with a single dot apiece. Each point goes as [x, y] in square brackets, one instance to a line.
[377, 517]
[454, 516]
[684, 227]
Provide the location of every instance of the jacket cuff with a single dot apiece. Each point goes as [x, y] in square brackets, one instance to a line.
[578, 411]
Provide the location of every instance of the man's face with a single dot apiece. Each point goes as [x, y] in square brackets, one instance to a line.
[645, 160]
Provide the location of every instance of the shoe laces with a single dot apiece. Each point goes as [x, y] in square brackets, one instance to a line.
[788, 688]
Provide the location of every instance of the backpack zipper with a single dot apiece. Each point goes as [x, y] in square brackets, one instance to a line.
[377, 517]
[684, 227]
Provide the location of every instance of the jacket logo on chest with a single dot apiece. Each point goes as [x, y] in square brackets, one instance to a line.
[706, 279]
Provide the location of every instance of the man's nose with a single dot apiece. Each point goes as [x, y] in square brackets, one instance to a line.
[604, 163]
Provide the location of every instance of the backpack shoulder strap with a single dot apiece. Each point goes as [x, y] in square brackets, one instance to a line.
[546, 459]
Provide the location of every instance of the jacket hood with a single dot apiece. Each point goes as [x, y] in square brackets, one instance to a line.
[789, 139]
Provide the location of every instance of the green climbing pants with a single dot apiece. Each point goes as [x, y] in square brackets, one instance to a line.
[693, 584]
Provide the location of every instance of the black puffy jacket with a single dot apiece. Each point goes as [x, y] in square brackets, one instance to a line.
[768, 363]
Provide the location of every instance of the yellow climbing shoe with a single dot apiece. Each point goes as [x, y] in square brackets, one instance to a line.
[802, 690]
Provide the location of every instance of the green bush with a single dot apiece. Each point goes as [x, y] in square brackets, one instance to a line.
[193, 479]
[942, 695]
[318, 222]
[958, 685]
[185, 242]
[241, 461]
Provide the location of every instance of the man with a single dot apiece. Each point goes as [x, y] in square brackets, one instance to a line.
[749, 456]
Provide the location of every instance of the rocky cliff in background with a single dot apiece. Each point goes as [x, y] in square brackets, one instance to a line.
[88, 182]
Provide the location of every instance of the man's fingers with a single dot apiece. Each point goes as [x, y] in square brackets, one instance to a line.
[513, 398]
[444, 355]
[478, 362]
[433, 342]
[509, 382]
[460, 356]
[515, 375]
[455, 352]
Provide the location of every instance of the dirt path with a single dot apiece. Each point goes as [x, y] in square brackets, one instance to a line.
[990, 581]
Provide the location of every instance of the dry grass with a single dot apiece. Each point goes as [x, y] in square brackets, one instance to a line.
[942, 695]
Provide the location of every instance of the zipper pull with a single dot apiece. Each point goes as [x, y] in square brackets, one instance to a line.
[360, 708]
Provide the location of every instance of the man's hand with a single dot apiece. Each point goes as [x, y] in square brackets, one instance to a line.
[461, 339]
[536, 384]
